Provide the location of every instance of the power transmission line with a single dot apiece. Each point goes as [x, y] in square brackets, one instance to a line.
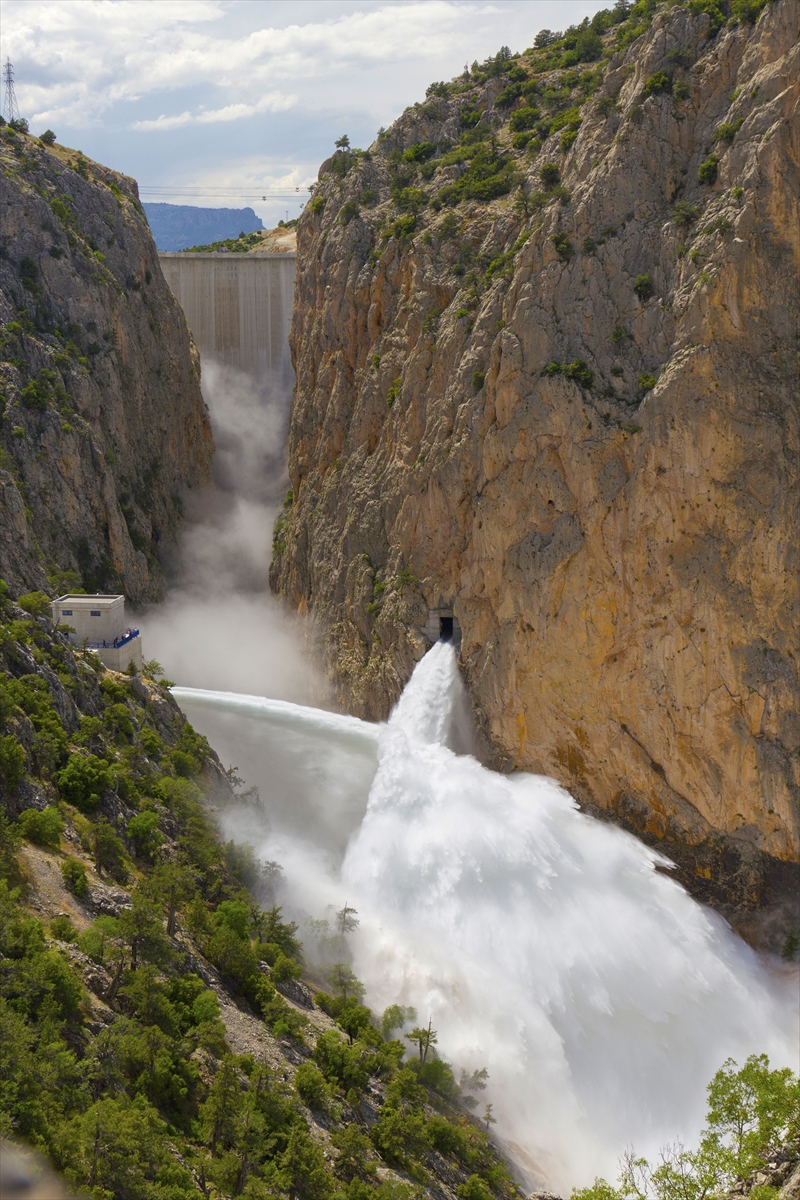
[10, 106]
[221, 192]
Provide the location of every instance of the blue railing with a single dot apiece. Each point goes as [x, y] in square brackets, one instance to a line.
[114, 645]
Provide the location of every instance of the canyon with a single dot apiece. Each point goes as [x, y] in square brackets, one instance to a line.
[546, 382]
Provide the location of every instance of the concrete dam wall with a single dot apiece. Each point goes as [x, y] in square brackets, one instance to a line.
[238, 307]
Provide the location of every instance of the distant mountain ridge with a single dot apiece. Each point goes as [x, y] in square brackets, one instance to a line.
[179, 226]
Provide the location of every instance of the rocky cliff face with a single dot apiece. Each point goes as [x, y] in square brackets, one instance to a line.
[103, 424]
[544, 339]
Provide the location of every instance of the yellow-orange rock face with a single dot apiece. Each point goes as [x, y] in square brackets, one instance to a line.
[621, 557]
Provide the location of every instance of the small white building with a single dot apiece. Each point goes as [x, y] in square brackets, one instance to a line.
[100, 625]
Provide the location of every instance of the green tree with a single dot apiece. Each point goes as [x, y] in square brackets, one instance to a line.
[395, 1017]
[109, 852]
[302, 1168]
[74, 875]
[344, 983]
[282, 933]
[83, 781]
[285, 968]
[232, 955]
[12, 763]
[750, 1111]
[354, 1153]
[236, 915]
[425, 1040]
[144, 832]
[140, 928]
[9, 845]
[172, 884]
[115, 1148]
[311, 1086]
[42, 826]
[219, 1113]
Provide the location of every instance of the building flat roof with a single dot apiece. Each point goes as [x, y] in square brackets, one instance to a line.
[82, 596]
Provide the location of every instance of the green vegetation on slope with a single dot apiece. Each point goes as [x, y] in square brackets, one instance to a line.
[752, 1136]
[114, 1058]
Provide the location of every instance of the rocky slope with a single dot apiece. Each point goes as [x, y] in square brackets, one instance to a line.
[156, 1042]
[544, 335]
[103, 425]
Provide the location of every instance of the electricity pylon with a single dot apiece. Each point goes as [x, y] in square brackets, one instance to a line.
[10, 106]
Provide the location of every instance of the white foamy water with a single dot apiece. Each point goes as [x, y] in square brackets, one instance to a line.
[544, 945]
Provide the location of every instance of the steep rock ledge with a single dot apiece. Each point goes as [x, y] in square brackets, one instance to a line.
[103, 424]
[570, 415]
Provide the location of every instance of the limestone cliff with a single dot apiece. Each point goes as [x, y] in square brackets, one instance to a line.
[103, 424]
[544, 335]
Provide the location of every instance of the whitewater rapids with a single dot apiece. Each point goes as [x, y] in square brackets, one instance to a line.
[546, 946]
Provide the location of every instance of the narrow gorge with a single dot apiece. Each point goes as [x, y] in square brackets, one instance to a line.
[457, 858]
[545, 343]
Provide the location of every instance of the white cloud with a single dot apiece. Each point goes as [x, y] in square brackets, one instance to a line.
[272, 102]
[164, 122]
[187, 90]
[79, 58]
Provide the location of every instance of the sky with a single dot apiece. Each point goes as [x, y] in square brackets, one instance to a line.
[223, 102]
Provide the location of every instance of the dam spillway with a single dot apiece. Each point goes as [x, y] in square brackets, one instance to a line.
[238, 307]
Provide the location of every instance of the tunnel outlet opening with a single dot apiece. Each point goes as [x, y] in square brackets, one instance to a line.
[445, 629]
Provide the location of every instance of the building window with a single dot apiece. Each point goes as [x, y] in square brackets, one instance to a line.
[66, 612]
[95, 612]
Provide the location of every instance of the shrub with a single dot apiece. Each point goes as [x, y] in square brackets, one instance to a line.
[747, 11]
[348, 210]
[62, 928]
[477, 379]
[550, 174]
[410, 199]
[579, 371]
[317, 204]
[707, 171]
[646, 382]
[563, 245]
[605, 106]
[660, 82]
[712, 9]
[284, 969]
[35, 603]
[643, 287]
[524, 118]
[728, 130]
[684, 213]
[34, 396]
[393, 392]
[144, 833]
[44, 827]
[311, 1086]
[567, 138]
[12, 763]
[74, 875]
[403, 228]
[474, 1189]
[419, 152]
[83, 781]
[618, 335]
[48, 137]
